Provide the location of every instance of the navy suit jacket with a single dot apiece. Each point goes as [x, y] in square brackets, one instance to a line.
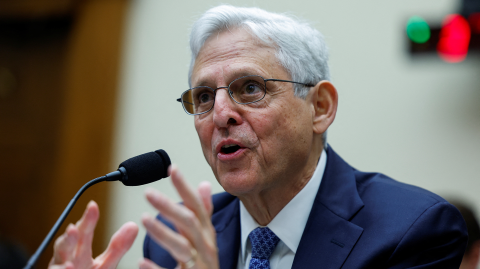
[358, 220]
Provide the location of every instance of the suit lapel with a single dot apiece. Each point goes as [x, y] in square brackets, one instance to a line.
[329, 236]
[227, 227]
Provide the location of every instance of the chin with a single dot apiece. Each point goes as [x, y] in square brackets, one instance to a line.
[237, 183]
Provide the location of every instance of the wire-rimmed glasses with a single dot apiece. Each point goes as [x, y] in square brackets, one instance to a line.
[243, 90]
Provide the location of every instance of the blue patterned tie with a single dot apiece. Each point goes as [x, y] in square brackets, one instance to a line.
[263, 243]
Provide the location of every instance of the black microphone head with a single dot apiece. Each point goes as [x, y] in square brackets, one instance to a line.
[146, 168]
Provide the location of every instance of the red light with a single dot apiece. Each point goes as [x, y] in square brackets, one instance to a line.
[474, 20]
[454, 39]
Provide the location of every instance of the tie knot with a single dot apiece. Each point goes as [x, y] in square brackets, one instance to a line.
[263, 242]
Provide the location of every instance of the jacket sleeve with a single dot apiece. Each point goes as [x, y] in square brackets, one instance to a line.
[436, 239]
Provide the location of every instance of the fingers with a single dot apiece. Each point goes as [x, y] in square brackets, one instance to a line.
[200, 203]
[183, 218]
[192, 220]
[178, 214]
[120, 243]
[65, 245]
[148, 264]
[190, 198]
[75, 245]
[77, 240]
[205, 191]
[177, 245]
[74, 248]
[67, 265]
[86, 228]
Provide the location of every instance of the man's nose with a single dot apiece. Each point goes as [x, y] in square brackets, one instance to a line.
[225, 110]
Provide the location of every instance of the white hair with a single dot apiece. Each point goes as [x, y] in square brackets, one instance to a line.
[300, 48]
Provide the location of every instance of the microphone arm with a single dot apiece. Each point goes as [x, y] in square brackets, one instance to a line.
[113, 176]
[142, 169]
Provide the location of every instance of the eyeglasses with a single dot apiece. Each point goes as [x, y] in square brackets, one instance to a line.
[244, 90]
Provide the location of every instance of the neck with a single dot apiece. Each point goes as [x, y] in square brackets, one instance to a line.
[266, 204]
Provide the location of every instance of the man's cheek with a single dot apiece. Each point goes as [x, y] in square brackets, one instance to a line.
[205, 139]
[206, 146]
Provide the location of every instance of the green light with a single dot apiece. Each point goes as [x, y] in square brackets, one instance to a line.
[418, 30]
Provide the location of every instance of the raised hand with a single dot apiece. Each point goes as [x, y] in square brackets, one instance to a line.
[194, 245]
[73, 249]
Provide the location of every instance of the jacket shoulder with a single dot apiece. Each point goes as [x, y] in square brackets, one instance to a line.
[412, 225]
[379, 188]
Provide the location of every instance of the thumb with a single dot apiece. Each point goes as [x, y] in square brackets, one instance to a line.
[120, 243]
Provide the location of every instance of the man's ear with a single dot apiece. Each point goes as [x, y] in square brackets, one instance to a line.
[324, 101]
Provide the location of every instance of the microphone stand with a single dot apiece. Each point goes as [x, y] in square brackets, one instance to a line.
[113, 176]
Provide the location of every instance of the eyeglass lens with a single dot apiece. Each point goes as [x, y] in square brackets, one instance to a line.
[243, 90]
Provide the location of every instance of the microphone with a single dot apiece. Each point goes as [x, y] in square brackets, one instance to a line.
[142, 169]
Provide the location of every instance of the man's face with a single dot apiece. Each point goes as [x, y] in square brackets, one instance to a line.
[270, 140]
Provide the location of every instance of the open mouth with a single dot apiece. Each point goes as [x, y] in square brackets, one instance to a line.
[228, 149]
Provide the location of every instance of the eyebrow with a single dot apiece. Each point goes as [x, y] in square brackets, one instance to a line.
[235, 75]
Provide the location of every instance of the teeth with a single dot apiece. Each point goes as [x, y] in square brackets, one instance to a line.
[227, 146]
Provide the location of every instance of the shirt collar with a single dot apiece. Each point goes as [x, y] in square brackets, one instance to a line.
[290, 222]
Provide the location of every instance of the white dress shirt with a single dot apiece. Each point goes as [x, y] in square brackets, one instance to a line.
[288, 224]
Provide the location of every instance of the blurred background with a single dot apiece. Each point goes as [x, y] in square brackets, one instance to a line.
[86, 84]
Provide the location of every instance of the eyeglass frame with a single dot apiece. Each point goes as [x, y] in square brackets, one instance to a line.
[230, 92]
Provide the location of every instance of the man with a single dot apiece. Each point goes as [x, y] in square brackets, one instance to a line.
[262, 102]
